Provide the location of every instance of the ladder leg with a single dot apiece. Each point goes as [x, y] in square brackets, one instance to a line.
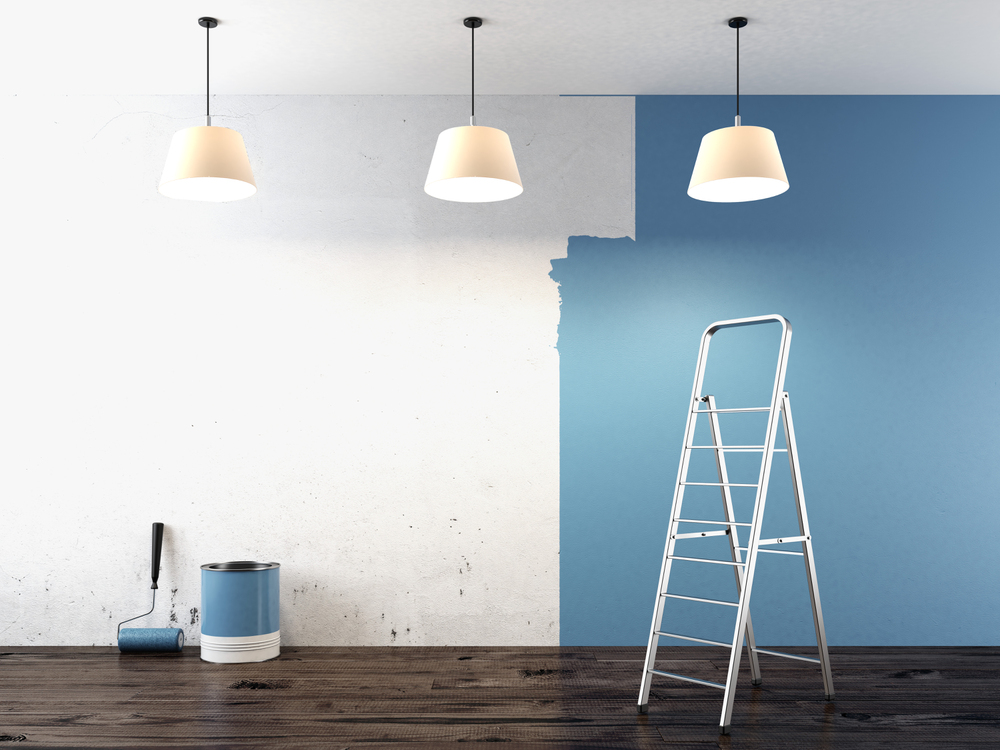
[743, 615]
[755, 677]
[807, 552]
[732, 675]
[649, 662]
[734, 539]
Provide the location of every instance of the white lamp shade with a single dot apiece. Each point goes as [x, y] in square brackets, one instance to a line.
[737, 164]
[207, 163]
[473, 164]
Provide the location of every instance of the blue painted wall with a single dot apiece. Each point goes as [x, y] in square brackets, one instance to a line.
[885, 255]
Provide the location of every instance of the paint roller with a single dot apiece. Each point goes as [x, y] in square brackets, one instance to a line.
[131, 640]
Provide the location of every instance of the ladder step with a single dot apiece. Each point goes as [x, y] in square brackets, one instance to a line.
[717, 562]
[687, 679]
[772, 551]
[716, 484]
[783, 540]
[699, 534]
[716, 523]
[780, 552]
[698, 640]
[707, 601]
[788, 656]
[730, 411]
[735, 448]
[727, 447]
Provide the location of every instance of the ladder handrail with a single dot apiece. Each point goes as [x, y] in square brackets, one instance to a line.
[751, 321]
[706, 339]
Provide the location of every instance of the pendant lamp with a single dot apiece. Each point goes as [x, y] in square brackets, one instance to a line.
[472, 163]
[741, 163]
[206, 162]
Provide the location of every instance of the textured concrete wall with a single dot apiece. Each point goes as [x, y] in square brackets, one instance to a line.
[339, 374]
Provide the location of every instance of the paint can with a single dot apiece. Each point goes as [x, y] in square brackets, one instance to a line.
[239, 612]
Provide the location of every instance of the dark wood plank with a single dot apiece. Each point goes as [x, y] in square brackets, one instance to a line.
[904, 698]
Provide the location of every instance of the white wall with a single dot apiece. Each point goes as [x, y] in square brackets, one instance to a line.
[339, 374]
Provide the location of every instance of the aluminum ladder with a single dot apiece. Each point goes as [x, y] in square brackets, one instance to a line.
[743, 568]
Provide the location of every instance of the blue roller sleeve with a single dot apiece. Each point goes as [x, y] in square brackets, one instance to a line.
[239, 602]
[150, 639]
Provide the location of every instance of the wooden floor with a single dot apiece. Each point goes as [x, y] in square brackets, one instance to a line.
[902, 698]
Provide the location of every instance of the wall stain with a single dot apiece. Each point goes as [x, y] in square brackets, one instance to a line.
[194, 615]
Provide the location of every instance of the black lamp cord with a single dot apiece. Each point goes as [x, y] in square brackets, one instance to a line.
[473, 121]
[737, 71]
[208, 115]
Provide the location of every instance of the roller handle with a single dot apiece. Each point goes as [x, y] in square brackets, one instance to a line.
[157, 548]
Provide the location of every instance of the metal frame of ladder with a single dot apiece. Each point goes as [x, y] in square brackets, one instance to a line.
[743, 569]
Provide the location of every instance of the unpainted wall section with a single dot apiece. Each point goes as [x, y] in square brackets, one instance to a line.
[340, 374]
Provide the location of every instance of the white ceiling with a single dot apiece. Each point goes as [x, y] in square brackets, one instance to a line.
[524, 47]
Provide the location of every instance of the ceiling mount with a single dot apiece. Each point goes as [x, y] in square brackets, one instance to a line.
[738, 22]
[473, 22]
[207, 22]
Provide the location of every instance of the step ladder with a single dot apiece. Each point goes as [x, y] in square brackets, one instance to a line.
[681, 527]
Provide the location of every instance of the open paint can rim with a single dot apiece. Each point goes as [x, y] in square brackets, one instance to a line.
[240, 565]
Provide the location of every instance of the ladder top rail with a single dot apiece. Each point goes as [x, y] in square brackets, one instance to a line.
[718, 325]
[779, 375]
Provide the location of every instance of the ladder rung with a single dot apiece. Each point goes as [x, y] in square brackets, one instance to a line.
[690, 638]
[736, 448]
[780, 552]
[772, 551]
[788, 656]
[717, 484]
[707, 601]
[699, 534]
[687, 679]
[728, 447]
[717, 562]
[716, 523]
[783, 540]
[696, 410]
